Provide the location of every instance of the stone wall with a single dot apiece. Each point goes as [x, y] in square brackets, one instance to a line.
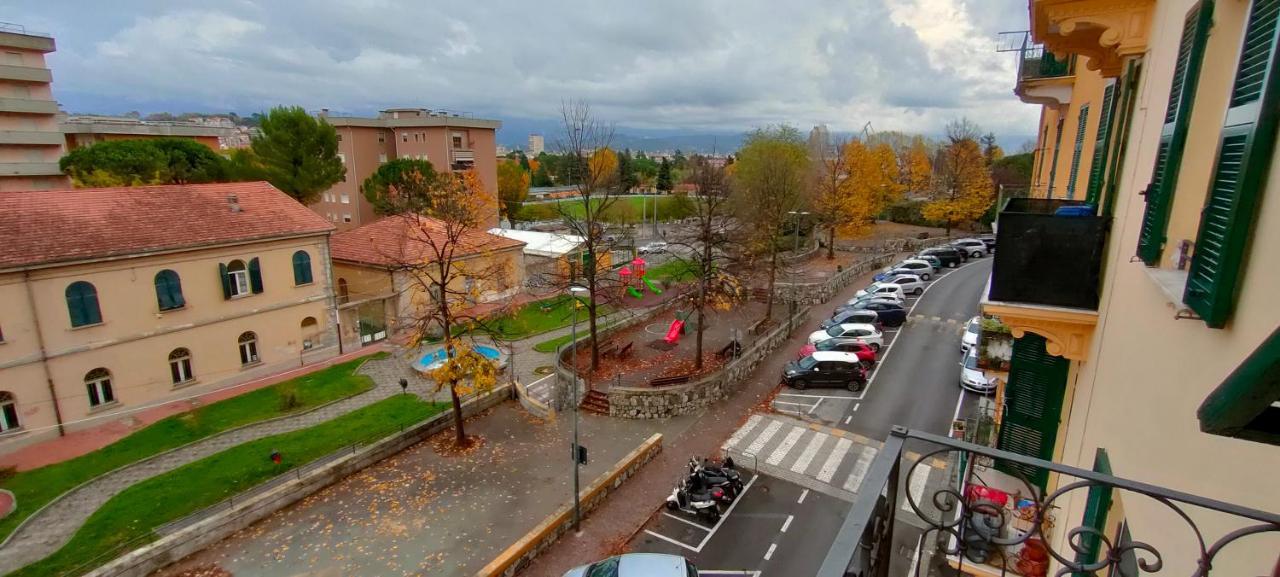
[662, 402]
[564, 373]
[175, 546]
[520, 554]
[808, 294]
[894, 245]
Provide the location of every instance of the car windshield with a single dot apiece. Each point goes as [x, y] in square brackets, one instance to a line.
[606, 568]
[973, 327]
[835, 331]
[826, 345]
[807, 362]
[971, 362]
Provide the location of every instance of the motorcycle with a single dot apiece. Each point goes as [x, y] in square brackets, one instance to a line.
[714, 476]
[697, 503]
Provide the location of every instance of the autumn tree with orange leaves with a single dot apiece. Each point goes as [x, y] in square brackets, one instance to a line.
[853, 186]
[963, 189]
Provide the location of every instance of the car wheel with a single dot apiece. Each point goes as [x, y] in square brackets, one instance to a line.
[875, 347]
[924, 276]
[918, 292]
[671, 505]
[855, 386]
[977, 254]
[799, 384]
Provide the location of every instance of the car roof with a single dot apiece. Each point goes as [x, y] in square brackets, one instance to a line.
[910, 278]
[966, 241]
[852, 312]
[867, 326]
[650, 565]
[915, 261]
[835, 356]
[880, 284]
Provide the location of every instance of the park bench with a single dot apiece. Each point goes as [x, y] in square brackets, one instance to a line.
[625, 351]
[668, 381]
[608, 349]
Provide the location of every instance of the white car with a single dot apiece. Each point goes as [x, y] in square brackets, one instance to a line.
[970, 338]
[881, 289]
[971, 246]
[637, 565]
[653, 248]
[911, 284]
[971, 377]
[863, 332]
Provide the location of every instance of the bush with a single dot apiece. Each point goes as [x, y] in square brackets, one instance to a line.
[908, 212]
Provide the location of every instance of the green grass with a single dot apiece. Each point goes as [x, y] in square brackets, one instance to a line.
[551, 345]
[34, 488]
[130, 516]
[672, 271]
[532, 318]
[624, 210]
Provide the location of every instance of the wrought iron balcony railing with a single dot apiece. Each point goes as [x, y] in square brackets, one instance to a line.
[1036, 63]
[970, 526]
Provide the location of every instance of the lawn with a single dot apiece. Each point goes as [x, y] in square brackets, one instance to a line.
[624, 210]
[127, 519]
[538, 317]
[34, 488]
[551, 345]
[675, 270]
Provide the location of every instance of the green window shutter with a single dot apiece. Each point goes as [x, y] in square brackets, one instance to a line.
[82, 304]
[169, 290]
[1053, 165]
[226, 280]
[1239, 176]
[1097, 166]
[1247, 403]
[301, 268]
[1082, 126]
[1173, 136]
[255, 275]
[1033, 406]
[1128, 92]
[1096, 506]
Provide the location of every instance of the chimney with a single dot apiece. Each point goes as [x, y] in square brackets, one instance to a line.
[234, 202]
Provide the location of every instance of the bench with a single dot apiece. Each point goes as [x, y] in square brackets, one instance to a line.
[608, 349]
[668, 381]
[625, 351]
[732, 349]
[755, 327]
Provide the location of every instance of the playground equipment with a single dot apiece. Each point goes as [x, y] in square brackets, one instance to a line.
[635, 271]
[674, 331]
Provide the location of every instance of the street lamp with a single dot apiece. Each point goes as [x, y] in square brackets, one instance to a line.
[796, 230]
[574, 292]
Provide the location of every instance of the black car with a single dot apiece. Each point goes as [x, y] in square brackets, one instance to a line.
[950, 257]
[890, 314]
[853, 316]
[826, 369]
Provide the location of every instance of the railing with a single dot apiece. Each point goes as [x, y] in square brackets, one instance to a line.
[20, 29]
[1047, 258]
[1036, 64]
[964, 523]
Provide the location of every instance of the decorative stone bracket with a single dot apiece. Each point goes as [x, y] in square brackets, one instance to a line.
[1105, 32]
[1067, 332]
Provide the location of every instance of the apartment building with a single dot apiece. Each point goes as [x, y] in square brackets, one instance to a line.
[117, 299]
[30, 141]
[1147, 342]
[537, 145]
[86, 130]
[449, 141]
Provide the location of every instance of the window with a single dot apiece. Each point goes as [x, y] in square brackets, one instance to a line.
[238, 274]
[346, 198]
[1053, 165]
[82, 304]
[248, 348]
[382, 138]
[301, 268]
[457, 140]
[382, 157]
[310, 328]
[343, 294]
[404, 137]
[8, 412]
[342, 158]
[169, 290]
[346, 217]
[98, 383]
[1082, 126]
[180, 366]
[339, 137]
[1097, 170]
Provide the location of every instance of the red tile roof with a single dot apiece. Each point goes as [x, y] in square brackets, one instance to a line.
[53, 226]
[400, 239]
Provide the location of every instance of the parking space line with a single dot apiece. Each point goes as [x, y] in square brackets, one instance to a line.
[764, 437]
[787, 523]
[847, 419]
[815, 396]
[726, 513]
[686, 521]
[809, 452]
[815, 406]
[855, 407]
[790, 403]
[788, 443]
[670, 540]
[803, 494]
[772, 547]
[742, 432]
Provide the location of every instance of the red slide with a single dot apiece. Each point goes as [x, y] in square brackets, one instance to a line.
[673, 333]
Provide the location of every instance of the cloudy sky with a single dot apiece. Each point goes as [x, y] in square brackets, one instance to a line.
[687, 66]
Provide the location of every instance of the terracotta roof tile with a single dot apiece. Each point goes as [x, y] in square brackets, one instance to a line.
[397, 239]
[53, 226]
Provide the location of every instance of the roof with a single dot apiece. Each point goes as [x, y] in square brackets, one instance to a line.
[548, 244]
[834, 356]
[44, 227]
[399, 239]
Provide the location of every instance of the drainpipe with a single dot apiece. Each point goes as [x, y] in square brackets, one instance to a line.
[44, 359]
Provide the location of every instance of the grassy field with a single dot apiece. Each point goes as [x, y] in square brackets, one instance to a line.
[538, 317]
[34, 488]
[550, 345]
[624, 210]
[129, 518]
[673, 271]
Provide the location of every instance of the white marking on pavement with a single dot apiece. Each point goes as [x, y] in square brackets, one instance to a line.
[790, 403]
[728, 572]
[809, 453]
[772, 547]
[854, 482]
[959, 401]
[855, 407]
[847, 419]
[815, 406]
[671, 541]
[788, 443]
[787, 523]
[764, 437]
[803, 494]
[814, 396]
[833, 460]
[740, 433]
[686, 521]
[726, 514]
[916, 485]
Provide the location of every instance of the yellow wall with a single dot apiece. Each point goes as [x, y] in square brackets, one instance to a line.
[1087, 90]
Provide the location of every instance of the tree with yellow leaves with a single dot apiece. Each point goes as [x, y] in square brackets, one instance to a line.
[962, 189]
[917, 173]
[603, 165]
[513, 185]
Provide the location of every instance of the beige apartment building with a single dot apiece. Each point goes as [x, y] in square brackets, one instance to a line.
[87, 130]
[117, 299]
[1147, 328]
[449, 141]
[30, 140]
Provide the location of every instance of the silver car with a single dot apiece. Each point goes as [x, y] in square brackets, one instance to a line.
[637, 565]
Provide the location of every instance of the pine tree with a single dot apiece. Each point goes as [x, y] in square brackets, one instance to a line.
[664, 176]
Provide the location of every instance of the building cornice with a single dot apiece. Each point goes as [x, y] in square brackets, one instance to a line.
[1104, 32]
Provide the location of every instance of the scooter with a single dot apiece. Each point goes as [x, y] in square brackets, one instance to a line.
[726, 478]
[698, 503]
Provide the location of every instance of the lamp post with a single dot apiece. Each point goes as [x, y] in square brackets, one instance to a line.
[796, 230]
[574, 291]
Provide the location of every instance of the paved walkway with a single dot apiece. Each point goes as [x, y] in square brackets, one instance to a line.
[51, 528]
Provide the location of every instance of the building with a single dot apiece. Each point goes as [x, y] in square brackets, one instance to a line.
[549, 257]
[1145, 326]
[448, 141]
[86, 130]
[109, 306]
[377, 295]
[536, 145]
[30, 142]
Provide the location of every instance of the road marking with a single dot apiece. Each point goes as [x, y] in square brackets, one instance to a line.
[854, 482]
[788, 443]
[916, 485]
[833, 460]
[671, 541]
[790, 403]
[728, 572]
[726, 514]
[815, 406]
[810, 452]
[530, 386]
[847, 419]
[686, 521]
[959, 401]
[769, 553]
[803, 494]
[764, 437]
[855, 407]
[740, 433]
[815, 396]
[787, 523]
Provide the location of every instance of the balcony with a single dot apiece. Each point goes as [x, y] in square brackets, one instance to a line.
[1042, 77]
[25, 73]
[28, 106]
[989, 520]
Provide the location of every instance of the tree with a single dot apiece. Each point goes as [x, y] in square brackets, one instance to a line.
[626, 172]
[990, 150]
[513, 186]
[298, 153]
[144, 161]
[540, 175]
[917, 169]
[769, 182]
[442, 218]
[963, 188]
[664, 176]
[604, 165]
[831, 191]
[524, 162]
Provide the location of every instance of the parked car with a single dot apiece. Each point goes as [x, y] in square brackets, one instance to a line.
[911, 283]
[989, 240]
[881, 289]
[891, 314]
[971, 331]
[867, 333]
[933, 261]
[865, 353]
[974, 247]
[853, 316]
[949, 255]
[656, 247]
[826, 368]
[637, 565]
[922, 268]
[971, 376]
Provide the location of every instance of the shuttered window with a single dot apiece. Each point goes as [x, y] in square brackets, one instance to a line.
[1239, 175]
[1128, 91]
[1097, 167]
[255, 275]
[301, 268]
[1082, 126]
[82, 304]
[1033, 405]
[1053, 165]
[169, 290]
[1173, 135]
[1096, 507]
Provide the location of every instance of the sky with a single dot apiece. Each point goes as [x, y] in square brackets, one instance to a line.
[659, 66]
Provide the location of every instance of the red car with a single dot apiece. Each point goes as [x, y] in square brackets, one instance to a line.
[865, 353]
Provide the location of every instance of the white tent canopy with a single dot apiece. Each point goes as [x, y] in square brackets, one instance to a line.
[544, 244]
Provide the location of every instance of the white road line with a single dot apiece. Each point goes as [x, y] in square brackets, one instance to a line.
[530, 386]
[790, 403]
[815, 406]
[803, 494]
[855, 406]
[764, 437]
[788, 443]
[916, 485]
[686, 521]
[915, 559]
[833, 460]
[854, 482]
[742, 432]
[772, 547]
[959, 401]
[810, 451]
[787, 523]
[726, 514]
[736, 572]
[671, 541]
[847, 419]
[814, 396]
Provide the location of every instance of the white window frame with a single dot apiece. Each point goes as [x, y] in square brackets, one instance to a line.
[102, 387]
[345, 198]
[382, 157]
[249, 351]
[181, 366]
[239, 281]
[8, 406]
[346, 217]
[342, 158]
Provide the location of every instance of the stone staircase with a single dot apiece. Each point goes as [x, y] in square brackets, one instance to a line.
[596, 402]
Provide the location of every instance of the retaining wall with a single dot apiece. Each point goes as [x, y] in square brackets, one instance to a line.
[564, 373]
[809, 294]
